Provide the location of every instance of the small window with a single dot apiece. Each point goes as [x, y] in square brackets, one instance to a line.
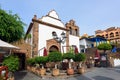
[70, 30]
[111, 35]
[117, 34]
[76, 32]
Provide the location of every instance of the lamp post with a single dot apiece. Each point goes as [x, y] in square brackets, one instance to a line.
[61, 39]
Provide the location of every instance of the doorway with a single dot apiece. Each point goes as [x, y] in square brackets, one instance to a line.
[53, 48]
[22, 59]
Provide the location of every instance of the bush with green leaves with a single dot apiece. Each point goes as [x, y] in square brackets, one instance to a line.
[68, 56]
[104, 46]
[55, 56]
[31, 61]
[41, 59]
[80, 57]
[12, 62]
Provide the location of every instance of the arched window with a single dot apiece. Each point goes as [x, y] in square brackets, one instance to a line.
[106, 35]
[102, 35]
[76, 32]
[70, 30]
[111, 34]
[117, 34]
[54, 34]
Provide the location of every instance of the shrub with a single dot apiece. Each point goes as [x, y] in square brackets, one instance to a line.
[54, 56]
[31, 61]
[68, 56]
[12, 62]
[104, 46]
[80, 57]
[41, 59]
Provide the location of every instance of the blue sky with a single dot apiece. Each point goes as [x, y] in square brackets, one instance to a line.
[90, 15]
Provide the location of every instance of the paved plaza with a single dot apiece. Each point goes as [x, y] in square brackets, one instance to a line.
[94, 74]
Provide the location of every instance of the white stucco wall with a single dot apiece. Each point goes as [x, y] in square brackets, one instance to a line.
[52, 21]
[52, 18]
[116, 62]
[85, 43]
[45, 33]
[74, 40]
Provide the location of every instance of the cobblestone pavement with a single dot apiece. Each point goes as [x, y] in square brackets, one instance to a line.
[25, 75]
[94, 74]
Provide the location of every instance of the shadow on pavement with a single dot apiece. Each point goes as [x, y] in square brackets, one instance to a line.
[82, 77]
[102, 78]
[20, 75]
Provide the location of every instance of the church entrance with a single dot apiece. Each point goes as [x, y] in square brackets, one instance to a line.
[53, 45]
[53, 48]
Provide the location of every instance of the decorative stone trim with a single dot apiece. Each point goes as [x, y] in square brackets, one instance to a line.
[52, 42]
[35, 39]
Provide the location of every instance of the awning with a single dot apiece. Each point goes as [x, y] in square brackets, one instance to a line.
[7, 45]
[96, 39]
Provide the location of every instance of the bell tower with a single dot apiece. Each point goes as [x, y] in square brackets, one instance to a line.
[73, 29]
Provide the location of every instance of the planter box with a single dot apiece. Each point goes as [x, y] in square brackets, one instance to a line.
[55, 72]
[42, 72]
[81, 70]
[70, 71]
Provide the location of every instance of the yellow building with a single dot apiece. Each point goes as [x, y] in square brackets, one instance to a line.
[112, 34]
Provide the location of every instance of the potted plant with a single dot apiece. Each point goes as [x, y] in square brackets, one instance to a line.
[104, 60]
[69, 55]
[41, 60]
[12, 62]
[104, 47]
[80, 57]
[55, 57]
[30, 63]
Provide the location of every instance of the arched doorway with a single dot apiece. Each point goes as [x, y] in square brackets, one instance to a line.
[53, 48]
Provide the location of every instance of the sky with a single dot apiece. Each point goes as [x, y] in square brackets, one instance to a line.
[89, 15]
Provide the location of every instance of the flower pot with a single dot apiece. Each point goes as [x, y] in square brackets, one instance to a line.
[70, 71]
[29, 68]
[42, 71]
[81, 70]
[55, 72]
[12, 78]
[37, 71]
[33, 69]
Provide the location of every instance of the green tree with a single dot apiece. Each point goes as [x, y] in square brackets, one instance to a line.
[11, 26]
[41, 59]
[104, 46]
[55, 56]
[68, 56]
[80, 57]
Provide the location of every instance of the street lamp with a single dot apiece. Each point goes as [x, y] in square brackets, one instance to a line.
[59, 39]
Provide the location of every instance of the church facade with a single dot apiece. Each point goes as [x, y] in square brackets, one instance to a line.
[42, 30]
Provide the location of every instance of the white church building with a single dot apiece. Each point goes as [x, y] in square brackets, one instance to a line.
[50, 33]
